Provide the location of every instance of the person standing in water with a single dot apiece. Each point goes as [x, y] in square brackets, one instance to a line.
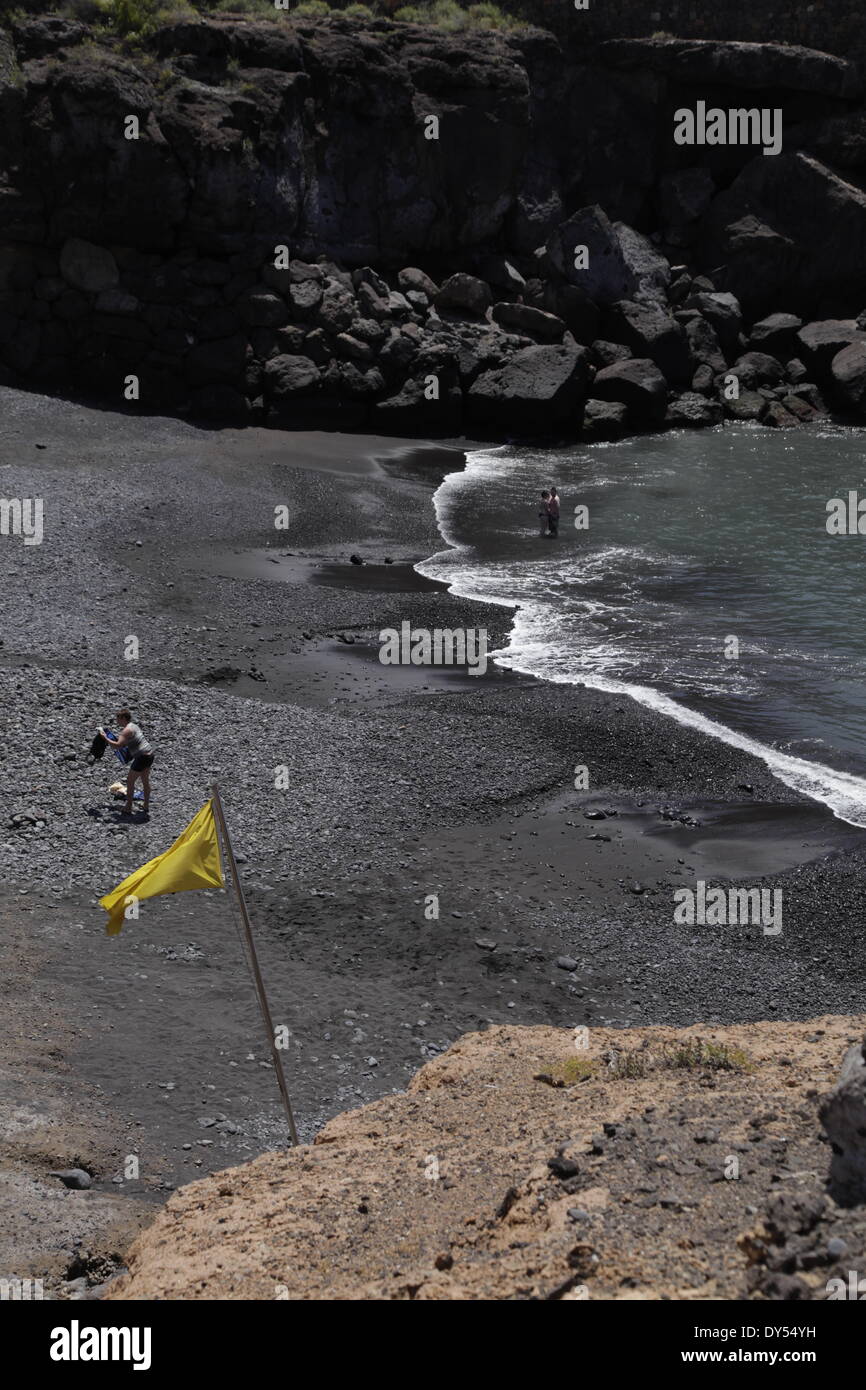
[553, 513]
[543, 516]
[133, 740]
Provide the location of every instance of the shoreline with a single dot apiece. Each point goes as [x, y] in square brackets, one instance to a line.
[405, 783]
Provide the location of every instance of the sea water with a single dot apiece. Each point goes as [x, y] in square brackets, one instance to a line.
[705, 585]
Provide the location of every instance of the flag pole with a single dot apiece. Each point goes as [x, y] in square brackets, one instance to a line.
[257, 974]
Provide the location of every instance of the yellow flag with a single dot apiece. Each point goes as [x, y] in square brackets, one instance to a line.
[192, 862]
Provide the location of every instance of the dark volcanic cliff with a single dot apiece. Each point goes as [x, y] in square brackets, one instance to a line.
[155, 255]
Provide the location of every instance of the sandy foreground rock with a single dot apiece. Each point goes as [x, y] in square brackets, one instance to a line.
[522, 1165]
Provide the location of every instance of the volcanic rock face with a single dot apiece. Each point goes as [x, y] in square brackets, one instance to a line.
[300, 221]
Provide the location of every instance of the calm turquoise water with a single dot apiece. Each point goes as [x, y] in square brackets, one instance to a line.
[694, 538]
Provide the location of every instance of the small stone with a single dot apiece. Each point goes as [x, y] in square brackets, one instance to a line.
[74, 1178]
[566, 963]
[563, 1167]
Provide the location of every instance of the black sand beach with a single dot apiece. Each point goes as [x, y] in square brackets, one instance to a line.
[258, 650]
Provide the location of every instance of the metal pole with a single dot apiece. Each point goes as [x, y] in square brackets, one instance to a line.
[257, 974]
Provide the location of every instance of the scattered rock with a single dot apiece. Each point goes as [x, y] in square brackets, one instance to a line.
[75, 1178]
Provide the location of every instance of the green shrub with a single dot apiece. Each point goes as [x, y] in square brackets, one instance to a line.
[137, 18]
[264, 8]
[312, 9]
[696, 1053]
[446, 14]
[488, 16]
[691, 1054]
[411, 14]
[358, 12]
[88, 11]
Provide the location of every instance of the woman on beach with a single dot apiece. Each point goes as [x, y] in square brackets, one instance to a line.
[133, 740]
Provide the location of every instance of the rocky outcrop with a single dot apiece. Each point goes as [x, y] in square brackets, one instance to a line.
[790, 232]
[752, 66]
[527, 1169]
[333, 223]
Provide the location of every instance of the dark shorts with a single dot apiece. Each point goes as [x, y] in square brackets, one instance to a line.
[142, 762]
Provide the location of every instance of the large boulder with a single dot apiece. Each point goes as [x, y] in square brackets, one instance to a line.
[464, 294]
[722, 311]
[819, 342]
[305, 298]
[848, 370]
[288, 376]
[538, 389]
[88, 267]
[409, 411]
[749, 405]
[703, 344]
[606, 353]
[650, 331]
[836, 140]
[758, 369]
[779, 417]
[683, 197]
[413, 280]
[693, 411]
[638, 384]
[534, 323]
[789, 231]
[336, 309]
[262, 308]
[574, 307]
[397, 354]
[776, 334]
[843, 1114]
[757, 66]
[604, 419]
[621, 264]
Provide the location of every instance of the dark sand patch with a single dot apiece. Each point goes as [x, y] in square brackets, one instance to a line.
[289, 568]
